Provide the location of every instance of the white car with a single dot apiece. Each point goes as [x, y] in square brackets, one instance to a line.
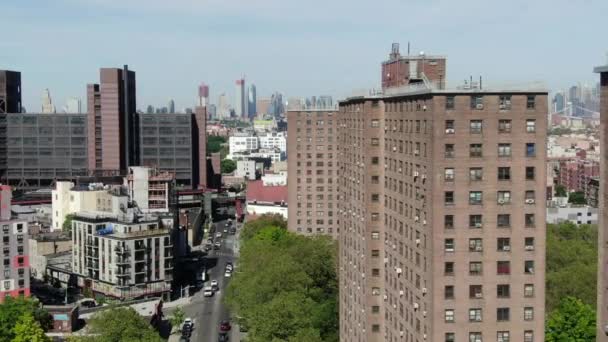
[218, 235]
[228, 274]
[208, 291]
[214, 285]
[188, 321]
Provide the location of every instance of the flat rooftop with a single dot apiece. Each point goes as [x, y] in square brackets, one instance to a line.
[600, 69]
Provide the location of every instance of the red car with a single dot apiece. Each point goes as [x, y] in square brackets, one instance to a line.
[225, 326]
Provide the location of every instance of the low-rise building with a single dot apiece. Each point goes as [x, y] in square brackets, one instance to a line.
[273, 179]
[15, 270]
[262, 199]
[246, 169]
[122, 255]
[577, 214]
[150, 189]
[274, 140]
[242, 142]
[42, 246]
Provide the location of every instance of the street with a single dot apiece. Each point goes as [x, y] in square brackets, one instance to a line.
[208, 312]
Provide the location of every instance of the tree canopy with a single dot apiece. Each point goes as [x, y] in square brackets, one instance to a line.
[560, 191]
[572, 321]
[577, 197]
[214, 143]
[285, 287]
[67, 223]
[120, 324]
[28, 329]
[13, 310]
[571, 263]
[227, 166]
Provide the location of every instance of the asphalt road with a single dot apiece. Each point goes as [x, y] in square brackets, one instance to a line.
[207, 313]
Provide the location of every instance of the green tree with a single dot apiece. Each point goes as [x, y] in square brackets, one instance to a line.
[560, 191]
[178, 317]
[120, 324]
[571, 268]
[290, 301]
[572, 321]
[28, 329]
[67, 223]
[214, 143]
[12, 309]
[577, 197]
[227, 166]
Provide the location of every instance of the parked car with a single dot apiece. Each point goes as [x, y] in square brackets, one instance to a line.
[228, 274]
[214, 285]
[218, 235]
[223, 337]
[229, 266]
[208, 291]
[225, 326]
[217, 245]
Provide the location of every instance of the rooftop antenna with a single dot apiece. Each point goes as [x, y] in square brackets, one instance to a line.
[408, 49]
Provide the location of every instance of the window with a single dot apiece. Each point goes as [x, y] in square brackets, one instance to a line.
[375, 198]
[475, 150]
[475, 268]
[530, 150]
[502, 336]
[475, 315]
[475, 126]
[530, 221]
[449, 174]
[530, 126]
[375, 179]
[504, 173]
[449, 245]
[529, 267]
[449, 102]
[375, 123]
[475, 221]
[504, 102]
[529, 172]
[448, 268]
[449, 198]
[503, 220]
[477, 102]
[503, 244]
[5, 228]
[528, 336]
[449, 315]
[375, 272]
[375, 141]
[530, 102]
[503, 267]
[504, 126]
[504, 150]
[448, 292]
[448, 221]
[530, 197]
[375, 253]
[529, 290]
[503, 197]
[375, 328]
[375, 291]
[450, 152]
[528, 313]
[375, 160]
[375, 235]
[475, 245]
[475, 174]
[503, 291]
[475, 197]
[475, 291]
[475, 337]
[449, 127]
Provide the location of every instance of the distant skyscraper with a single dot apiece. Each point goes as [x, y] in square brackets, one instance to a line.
[223, 110]
[240, 101]
[171, 106]
[212, 110]
[203, 94]
[262, 105]
[47, 102]
[251, 101]
[150, 109]
[559, 102]
[277, 107]
[73, 106]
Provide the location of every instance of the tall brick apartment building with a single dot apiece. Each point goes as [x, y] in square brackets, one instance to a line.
[602, 286]
[441, 206]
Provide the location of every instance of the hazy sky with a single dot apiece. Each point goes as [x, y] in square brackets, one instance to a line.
[300, 47]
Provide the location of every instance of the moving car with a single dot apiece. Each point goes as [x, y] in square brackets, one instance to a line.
[228, 274]
[187, 327]
[208, 291]
[229, 266]
[225, 326]
[214, 285]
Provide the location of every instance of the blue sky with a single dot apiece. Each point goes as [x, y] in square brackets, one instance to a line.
[302, 48]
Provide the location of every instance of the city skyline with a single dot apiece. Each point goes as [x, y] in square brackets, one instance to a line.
[232, 28]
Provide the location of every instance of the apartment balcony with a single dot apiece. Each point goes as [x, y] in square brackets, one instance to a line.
[92, 254]
[122, 273]
[121, 250]
[123, 261]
